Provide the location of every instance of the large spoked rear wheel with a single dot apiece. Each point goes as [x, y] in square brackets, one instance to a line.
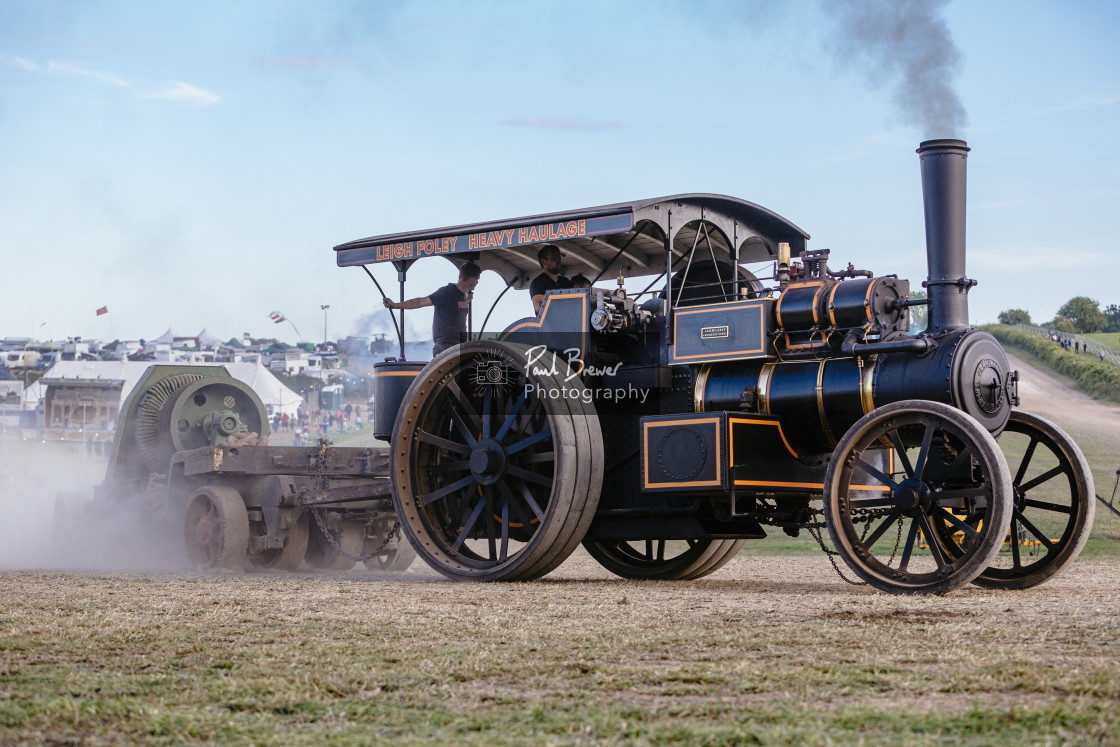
[217, 528]
[497, 462]
[943, 466]
[1054, 505]
[663, 559]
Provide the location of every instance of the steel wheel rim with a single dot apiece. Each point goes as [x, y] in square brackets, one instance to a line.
[1036, 470]
[918, 492]
[485, 470]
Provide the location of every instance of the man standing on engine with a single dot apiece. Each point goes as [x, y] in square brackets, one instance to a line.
[451, 302]
[551, 262]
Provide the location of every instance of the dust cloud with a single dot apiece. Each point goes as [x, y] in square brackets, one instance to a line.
[33, 473]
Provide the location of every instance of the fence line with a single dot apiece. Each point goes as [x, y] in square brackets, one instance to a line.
[1094, 347]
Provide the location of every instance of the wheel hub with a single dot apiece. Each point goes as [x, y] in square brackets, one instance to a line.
[488, 461]
[913, 497]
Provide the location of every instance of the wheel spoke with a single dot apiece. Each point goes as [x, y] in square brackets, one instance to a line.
[510, 418]
[1027, 455]
[544, 456]
[491, 540]
[487, 403]
[934, 548]
[1034, 530]
[911, 536]
[923, 453]
[1016, 560]
[876, 502]
[527, 442]
[956, 498]
[444, 467]
[444, 443]
[879, 530]
[464, 430]
[900, 449]
[874, 472]
[531, 502]
[1047, 475]
[468, 525]
[475, 423]
[969, 531]
[503, 551]
[1043, 505]
[445, 490]
[524, 474]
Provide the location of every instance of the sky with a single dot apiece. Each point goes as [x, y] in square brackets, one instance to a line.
[191, 165]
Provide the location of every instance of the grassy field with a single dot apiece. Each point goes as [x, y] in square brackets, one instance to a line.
[773, 649]
[1111, 339]
[769, 651]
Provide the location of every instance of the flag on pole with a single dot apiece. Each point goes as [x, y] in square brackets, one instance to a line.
[103, 310]
[277, 317]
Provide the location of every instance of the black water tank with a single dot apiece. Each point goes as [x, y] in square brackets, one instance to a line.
[391, 380]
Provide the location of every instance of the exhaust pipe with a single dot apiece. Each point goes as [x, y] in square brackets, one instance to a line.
[943, 194]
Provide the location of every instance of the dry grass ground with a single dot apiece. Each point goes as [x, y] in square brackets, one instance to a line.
[769, 650]
[774, 648]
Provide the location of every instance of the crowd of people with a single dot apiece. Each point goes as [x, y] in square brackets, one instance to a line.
[306, 426]
[1075, 345]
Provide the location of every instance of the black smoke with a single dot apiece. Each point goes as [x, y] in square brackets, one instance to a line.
[906, 46]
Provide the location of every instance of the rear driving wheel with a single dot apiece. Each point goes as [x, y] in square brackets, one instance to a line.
[497, 463]
[663, 559]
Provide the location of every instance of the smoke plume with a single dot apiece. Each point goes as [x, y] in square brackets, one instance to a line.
[906, 46]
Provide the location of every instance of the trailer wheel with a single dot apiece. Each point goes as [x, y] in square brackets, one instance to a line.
[663, 559]
[217, 528]
[322, 554]
[1054, 505]
[392, 559]
[943, 463]
[288, 557]
[496, 462]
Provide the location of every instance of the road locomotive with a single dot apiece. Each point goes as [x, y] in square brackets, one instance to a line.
[662, 428]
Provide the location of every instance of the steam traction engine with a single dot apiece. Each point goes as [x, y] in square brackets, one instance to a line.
[664, 428]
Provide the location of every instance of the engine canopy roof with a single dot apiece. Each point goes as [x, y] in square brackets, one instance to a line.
[627, 238]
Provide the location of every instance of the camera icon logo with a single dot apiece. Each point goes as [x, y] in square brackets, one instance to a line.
[491, 373]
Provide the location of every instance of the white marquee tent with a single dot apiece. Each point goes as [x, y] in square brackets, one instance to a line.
[276, 396]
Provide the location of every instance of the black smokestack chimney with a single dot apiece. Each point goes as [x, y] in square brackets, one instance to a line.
[943, 193]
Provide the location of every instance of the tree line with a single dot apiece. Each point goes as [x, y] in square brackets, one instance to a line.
[1079, 315]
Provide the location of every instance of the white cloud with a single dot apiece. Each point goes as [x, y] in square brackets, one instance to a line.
[55, 66]
[184, 93]
[22, 63]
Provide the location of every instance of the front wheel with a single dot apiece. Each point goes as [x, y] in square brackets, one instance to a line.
[942, 465]
[1054, 504]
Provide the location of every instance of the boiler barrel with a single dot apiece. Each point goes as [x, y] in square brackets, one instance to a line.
[391, 380]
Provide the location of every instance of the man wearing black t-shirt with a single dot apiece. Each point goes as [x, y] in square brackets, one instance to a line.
[550, 258]
[451, 302]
